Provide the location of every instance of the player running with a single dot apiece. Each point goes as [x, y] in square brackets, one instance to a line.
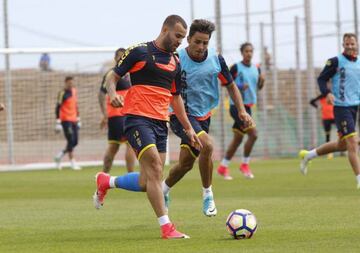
[344, 72]
[113, 117]
[200, 70]
[68, 120]
[155, 77]
[249, 80]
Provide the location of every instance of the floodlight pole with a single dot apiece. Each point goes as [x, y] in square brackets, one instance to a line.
[355, 18]
[219, 50]
[338, 26]
[8, 95]
[247, 20]
[192, 15]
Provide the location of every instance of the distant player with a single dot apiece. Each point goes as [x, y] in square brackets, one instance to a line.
[327, 116]
[113, 117]
[200, 70]
[68, 120]
[344, 72]
[249, 80]
[2, 107]
[155, 78]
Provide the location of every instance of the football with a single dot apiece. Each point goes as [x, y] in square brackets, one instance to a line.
[241, 224]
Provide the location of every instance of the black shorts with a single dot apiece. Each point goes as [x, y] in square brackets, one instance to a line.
[345, 119]
[239, 125]
[327, 124]
[143, 133]
[116, 129]
[71, 134]
[199, 126]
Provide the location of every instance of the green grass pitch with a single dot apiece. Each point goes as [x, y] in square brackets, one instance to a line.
[52, 211]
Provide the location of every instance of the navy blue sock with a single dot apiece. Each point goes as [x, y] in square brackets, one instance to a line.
[129, 182]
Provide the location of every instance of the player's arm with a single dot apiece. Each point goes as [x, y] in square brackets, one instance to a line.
[102, 103]
[179, 109]
[261, 80]
[314, 100]
[127, 61]
[326, 74]
[226, 79]
[59, 102]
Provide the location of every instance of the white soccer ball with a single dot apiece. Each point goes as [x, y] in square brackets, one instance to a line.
[241, 224]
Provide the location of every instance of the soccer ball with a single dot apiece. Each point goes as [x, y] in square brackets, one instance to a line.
[241, 224]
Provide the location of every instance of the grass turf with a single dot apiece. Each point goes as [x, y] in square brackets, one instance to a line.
[51, 211]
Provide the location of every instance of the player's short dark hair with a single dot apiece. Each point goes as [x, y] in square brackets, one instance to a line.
[119, 50]
[202, 26]
[350, 35]
[68, 78]
[244, 45]
[171, 21]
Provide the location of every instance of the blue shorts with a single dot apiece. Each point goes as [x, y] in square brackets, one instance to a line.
[345, 119]
[239, 125]
[116, 131]
[143, 133]
[199, 126]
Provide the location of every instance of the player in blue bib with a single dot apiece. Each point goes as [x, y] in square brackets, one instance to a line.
[201, 70]
[249, 80]
[344, 72]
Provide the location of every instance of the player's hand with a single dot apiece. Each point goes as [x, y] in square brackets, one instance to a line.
[245, 86]
[246, 118]
[116, 100]
[330, 99]
[78, 123]
[194, 139]
[104, 122]
[2, 107]
[58, 126]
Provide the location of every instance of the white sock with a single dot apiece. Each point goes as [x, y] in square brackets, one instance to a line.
[165, 187]
[207, 192]
[246, 160]
[312, 154]
[358, 178]
[163, 220]
[112, 182]
[73, 162]
[60, 154]
[225, 162]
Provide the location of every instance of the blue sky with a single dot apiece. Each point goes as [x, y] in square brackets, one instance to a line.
[115, 23]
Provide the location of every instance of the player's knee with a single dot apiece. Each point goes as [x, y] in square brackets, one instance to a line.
[187, 164]
[208, 145]
[155, 171]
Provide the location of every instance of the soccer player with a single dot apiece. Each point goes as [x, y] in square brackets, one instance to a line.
[249, 80]
[327, 115]
[113, 117]
[344, 72]
[200, 70]
[67, 119]
[155, 77]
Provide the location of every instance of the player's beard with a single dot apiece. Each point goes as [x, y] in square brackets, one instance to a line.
[168, 44]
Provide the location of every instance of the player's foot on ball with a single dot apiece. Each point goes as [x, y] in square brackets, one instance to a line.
[209, 207]
[225, 172]
[167, 201]
[245, 170]
[304, 161]
[102, 185]
[168, 231]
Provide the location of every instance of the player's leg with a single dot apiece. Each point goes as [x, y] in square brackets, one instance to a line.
[130, 158]
[206, 170]
[67, 134]
[110, 153]
[327, 129]
[238, 136]
[249, 144]
[74, 142]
